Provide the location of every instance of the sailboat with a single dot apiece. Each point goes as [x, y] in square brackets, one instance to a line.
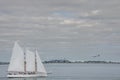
[25, 63]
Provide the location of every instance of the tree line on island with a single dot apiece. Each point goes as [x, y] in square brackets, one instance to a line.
[68, 61]
[4, 63]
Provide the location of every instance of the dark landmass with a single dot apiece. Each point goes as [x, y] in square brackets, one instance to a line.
[58, 61]
[67, 61]
[4, 63]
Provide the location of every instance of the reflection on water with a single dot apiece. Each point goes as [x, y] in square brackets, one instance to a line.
[26, 78]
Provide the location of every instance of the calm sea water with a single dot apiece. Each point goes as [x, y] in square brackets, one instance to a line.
[73, 72]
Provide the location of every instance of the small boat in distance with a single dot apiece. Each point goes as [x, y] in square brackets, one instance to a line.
[25, 63]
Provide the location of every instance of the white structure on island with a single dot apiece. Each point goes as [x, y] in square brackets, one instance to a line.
[25, 63]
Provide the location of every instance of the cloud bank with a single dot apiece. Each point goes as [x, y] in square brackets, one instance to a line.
[65, 28]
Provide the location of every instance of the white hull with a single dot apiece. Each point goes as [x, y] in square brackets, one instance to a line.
[25, 75]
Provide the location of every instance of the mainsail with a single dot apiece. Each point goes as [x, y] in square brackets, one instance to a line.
[17, 59]
[30, 61]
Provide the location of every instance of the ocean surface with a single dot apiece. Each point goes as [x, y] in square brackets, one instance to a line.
[73, 72]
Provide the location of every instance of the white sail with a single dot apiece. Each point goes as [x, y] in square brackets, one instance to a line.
[30, 61]
[40, 66]
[26, 64]
[17, 59]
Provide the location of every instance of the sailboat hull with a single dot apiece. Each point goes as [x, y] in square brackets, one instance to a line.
[26, 75]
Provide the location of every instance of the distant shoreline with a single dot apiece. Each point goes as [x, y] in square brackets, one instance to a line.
[73, 62]
[4, 63]
[83, 62]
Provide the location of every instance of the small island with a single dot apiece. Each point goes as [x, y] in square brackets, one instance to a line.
[4, 63]
[68, 61]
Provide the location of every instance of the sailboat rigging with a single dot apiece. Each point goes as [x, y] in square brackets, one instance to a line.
[25, 64]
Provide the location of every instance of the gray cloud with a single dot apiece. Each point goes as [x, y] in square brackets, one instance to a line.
[71, 29]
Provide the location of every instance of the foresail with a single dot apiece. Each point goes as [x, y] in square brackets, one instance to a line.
[17, 59]
[30, 61]
[40, 66]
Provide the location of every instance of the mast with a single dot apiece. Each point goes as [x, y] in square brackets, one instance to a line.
[35, 62]
[24, 61]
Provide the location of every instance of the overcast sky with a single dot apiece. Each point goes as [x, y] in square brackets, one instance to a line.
[70, 29]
